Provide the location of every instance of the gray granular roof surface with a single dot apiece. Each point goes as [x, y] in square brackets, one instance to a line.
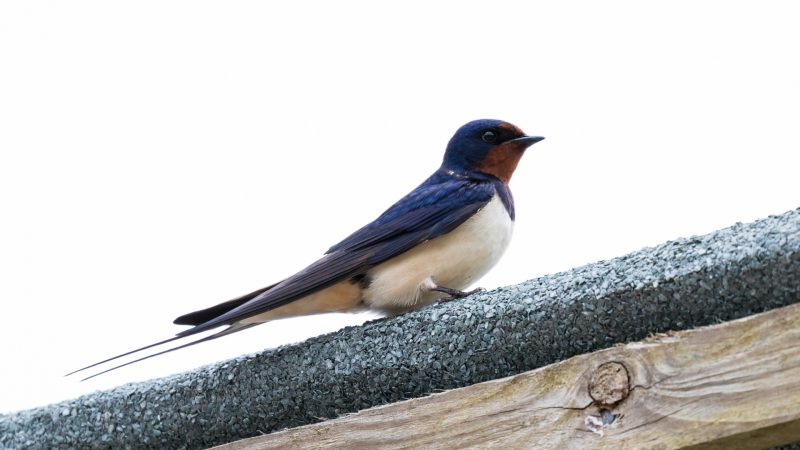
[731, 273]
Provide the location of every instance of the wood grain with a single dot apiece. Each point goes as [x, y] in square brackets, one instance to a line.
[732, 385]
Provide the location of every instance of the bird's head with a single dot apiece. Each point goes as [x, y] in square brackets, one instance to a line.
[487, 146]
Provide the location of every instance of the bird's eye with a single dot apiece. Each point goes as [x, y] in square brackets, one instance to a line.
[489, 137]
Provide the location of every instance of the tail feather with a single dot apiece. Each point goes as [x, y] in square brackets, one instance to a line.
[231, 329]
[204, 315]
[193, 318]
[175, 338]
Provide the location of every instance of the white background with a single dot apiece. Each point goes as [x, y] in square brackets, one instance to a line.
[160, 157]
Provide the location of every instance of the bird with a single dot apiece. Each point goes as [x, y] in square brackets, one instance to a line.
[427, 247]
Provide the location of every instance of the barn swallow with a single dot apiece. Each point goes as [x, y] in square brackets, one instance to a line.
[434, 242]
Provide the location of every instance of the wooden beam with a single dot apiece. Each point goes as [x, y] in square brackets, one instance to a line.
[733, 384]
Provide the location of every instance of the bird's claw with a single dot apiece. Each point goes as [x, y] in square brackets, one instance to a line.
[454, 293]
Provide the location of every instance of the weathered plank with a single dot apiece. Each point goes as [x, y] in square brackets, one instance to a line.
[732, 385]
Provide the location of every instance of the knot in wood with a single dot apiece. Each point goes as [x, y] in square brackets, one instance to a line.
[610, 384]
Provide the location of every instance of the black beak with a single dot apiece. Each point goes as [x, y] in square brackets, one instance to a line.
[527, 141]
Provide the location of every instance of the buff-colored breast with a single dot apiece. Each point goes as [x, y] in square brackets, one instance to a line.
[455, 260]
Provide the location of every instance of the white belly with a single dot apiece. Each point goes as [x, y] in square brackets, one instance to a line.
[454, 260]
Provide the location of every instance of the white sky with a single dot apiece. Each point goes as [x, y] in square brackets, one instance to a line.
[159, 157]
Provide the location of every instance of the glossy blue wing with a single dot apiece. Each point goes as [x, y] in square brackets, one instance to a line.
[436, 206]
[433, 209]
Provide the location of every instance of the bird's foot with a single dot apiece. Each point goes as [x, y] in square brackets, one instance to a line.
[454, 293]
